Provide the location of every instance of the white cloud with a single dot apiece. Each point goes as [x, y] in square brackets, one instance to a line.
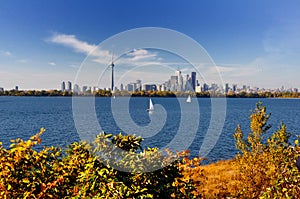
[22, 60]
[52, 63]
[141, 54]
[77, 45]
[135, 57]
[74, 66]
[6, 53]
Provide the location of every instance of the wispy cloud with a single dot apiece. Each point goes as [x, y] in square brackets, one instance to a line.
[52, 63]
[141, 54]
[80, 46]
[22, 60]
[6, 53]
[103, 56]
[74, 65]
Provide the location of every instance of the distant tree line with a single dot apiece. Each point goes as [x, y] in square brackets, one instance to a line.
[106, 93]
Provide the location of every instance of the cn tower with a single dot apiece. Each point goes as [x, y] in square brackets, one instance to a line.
[112, 74]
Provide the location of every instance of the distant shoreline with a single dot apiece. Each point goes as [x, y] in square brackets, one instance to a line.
[104, 93]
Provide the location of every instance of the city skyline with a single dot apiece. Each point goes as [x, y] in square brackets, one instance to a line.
[177, 82]
[252, 42]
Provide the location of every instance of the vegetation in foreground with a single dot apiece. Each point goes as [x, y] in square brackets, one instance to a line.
[264, 168]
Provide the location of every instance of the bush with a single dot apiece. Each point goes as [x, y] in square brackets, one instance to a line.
[80, 173]
[267, 167]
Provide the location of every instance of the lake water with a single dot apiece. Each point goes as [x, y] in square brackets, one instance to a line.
[24, 116]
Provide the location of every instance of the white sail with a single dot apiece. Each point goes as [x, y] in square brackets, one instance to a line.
[189, 99]
[151, 107]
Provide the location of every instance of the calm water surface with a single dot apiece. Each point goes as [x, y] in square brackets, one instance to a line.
[24, 116]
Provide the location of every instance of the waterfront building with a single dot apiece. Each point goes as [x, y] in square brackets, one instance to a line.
[226, 88]
[163, 87]
[205, 87]
[186, 83]
[149, 87]
[69, 86]
[63, 86]
[138, 85]
[84, 88]
[198, 89]
[76, 88]
[179, 80]
[158, 87]
[174, 82]
[234, 88]
[130, 87]
[193, 80]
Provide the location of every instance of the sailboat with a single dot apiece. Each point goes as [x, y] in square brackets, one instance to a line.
[151, 107]
[189, 99]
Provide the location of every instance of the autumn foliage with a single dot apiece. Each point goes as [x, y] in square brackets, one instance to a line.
[263, 168]
[80, 173]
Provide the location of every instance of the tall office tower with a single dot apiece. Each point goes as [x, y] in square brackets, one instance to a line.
[69, 86]
[138, 85]
[163, 87]
[63, 86]
[214, 86]
[174, 83]
[121, 87]
[244, 87]
[193, 80]
[186, 83]
[180, 81]
[158, 87]
[168, 85]
[84, 88]
[226, 88]
[234, 87]
[205, 87]
[76, 88]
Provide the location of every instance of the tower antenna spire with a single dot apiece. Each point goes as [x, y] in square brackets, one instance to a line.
[112, 72]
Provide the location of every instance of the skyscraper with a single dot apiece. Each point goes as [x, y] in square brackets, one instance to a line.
[69, 86]
[186, 83]
[138, 85]
[193, 80]
[234, 87]
[63, 86]
[76, 88]
[174, 83]
[226, 88]
[180, 80]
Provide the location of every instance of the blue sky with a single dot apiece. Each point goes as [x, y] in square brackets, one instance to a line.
[252, 42]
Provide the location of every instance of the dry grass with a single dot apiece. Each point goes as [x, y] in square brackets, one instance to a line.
[217, 180]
